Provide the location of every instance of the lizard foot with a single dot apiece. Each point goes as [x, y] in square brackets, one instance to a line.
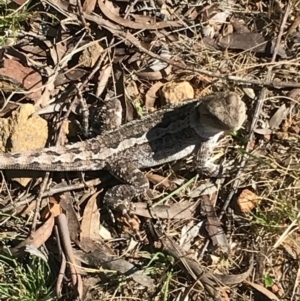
[217, 171]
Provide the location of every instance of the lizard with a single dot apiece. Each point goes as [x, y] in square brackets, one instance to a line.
[170, 133]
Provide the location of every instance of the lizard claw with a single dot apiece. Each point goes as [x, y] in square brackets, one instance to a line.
[124, 213]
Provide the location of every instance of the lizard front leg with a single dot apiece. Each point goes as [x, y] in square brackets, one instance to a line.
[202, 161]
[118, 197]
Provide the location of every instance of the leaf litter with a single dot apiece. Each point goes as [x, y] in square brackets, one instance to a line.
[71, 63]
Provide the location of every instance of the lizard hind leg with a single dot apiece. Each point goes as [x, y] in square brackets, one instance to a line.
[117, 199]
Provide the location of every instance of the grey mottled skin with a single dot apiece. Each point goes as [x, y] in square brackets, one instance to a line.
[163, 136]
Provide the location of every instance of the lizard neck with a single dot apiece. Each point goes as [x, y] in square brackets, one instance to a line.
[202, 128]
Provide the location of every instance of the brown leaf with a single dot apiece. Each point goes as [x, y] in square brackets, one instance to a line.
[35, 50]
[239, 26]
[19, 2]
[39, 237]
[103, 78]
[61, 50]
[252, 41]
[235, 279]
[264, 131]
[244, 41]
[278, 117]
[109, 11]
[291, 244]
[263, 291]
[213, 225]
[247, 200]
[162, 181]
[70, 76]
[182, 210]
[65, 201]
[89, 6]
[88, 284]
[150, 96]
[24, 76]
[90, 55]
[42, 234]
[128, 225]
[294, 94]
[293, 27]
[98, 257]
[90, 224]
[53, 208]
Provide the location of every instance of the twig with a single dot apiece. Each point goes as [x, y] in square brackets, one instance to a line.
[38, 203]
[55, 190]
[258, 109]
[81, 100]
[130, 8]
[116, 30]
[80, 10]
[243, 80]
[255, 118]
[63, 265]
[64, 235]
[85, 111]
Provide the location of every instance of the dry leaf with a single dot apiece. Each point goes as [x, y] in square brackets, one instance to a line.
[103, 78]
[162, 181]
[112, 13]
[247, 200]
[239, 26]
[294, 94]
[39, 237]
[278, 117]
[264, 131]
[182, 210]
[213, 225]
[99, 257]
[89, 6]
[46, 96]
[249, 92]
[151, 95]
[254, 42]
[54, 209]
[23, 76]
[188, 233]
[65, 201]
[293, 27]
[263, 291]
[90, 224]
[291, 244]
[73, 75]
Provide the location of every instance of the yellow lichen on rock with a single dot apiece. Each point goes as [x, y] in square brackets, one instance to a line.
[177, 92]
[22, 131]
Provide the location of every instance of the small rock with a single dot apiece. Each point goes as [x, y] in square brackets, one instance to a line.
[249, 92]
[90, 55]
[177, 92]
[27, 131]
[23, 131]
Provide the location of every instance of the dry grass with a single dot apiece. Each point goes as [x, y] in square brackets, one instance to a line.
[269, 233]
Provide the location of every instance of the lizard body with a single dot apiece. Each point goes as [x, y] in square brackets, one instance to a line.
[166, 135]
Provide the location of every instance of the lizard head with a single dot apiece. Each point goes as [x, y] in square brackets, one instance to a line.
[223, 111]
